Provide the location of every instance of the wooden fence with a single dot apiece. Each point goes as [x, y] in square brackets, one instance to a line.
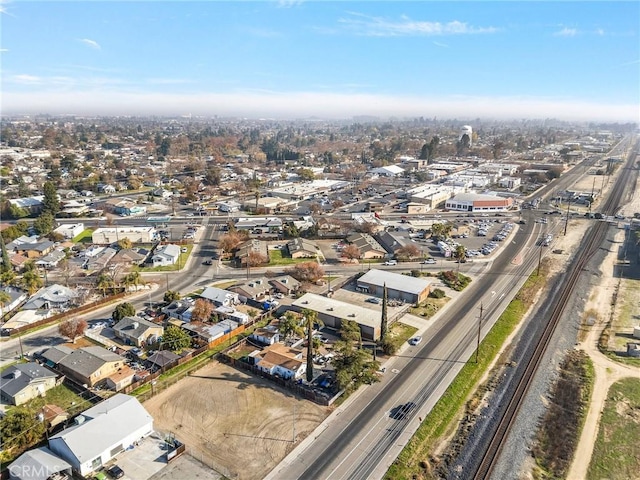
[69, 313]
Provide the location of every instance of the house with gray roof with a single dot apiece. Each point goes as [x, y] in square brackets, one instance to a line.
[16, 297]
[220, 297]
[89, 365]
[252, 289]
[368, 246]
[165, 255]
[302, 248]
[393, 241]
[137, 331]
[53, 297]
[285, 284]
[102, 432]
[24, 381]
[39, 464]
[51, 259]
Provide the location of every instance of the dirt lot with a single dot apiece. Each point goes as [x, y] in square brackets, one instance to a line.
[222, 413]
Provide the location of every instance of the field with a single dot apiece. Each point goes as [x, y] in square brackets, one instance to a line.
[616, 455]
[240, 425]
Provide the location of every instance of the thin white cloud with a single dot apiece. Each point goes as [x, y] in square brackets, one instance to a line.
[367, 25]
[257, 104]
[600, 32]
[289, 3]
[439, 44]
[566, 32]
[4, 50]
[91, 43]
[169, 81]
[26, 79]
[3, 9]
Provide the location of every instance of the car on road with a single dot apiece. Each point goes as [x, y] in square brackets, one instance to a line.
[208, 262]
[115, 472]
[391, 262]
[375, 300]
[403, 411]
[429, 261]
[415, 340]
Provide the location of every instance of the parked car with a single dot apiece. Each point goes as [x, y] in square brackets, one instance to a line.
[429, 261]
[391, 262]
[115, 472]
[374, 300]
[415, 340]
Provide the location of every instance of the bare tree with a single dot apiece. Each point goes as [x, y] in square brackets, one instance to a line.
[202, 310]
[73, 328]
[352, 252]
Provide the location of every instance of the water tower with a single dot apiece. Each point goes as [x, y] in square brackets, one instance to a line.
[468, 132]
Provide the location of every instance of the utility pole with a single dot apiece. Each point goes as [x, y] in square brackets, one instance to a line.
[593, 188]
[539, 259]
[566, 222]
[479, 329]
[294, 424]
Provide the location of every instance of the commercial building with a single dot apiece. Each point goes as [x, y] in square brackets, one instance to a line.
[400, 287]
[333, 312]
[473, 202]
[109, 235]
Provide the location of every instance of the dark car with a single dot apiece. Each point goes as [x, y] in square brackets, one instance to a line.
[115, 472]
[208, 262]
[403, 411]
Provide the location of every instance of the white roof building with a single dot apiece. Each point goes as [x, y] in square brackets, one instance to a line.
[102, 432]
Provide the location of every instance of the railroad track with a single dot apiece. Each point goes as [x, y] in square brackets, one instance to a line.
[592, 243]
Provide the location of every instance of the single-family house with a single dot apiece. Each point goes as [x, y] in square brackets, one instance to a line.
[253, 245]
[280, 361]
[207, 333]
[39, 464]
[368, 246]
[302, 248]
[266, 335]
[285, 284]
[137, 331]
[252, 289]
[102, 432]
[36, 249]
[53, 297]
[128, 256]
[165, 255]
[220, 297]
[70, 230]
[16, 297]
[90, 365]
[51, 259]
[180, 309]
[24, 381]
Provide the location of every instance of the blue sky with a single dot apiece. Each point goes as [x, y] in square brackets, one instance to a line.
[296, 59]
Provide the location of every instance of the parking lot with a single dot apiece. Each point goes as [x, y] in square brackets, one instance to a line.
[143, 460]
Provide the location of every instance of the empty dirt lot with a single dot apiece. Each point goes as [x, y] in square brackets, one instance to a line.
[241, 425]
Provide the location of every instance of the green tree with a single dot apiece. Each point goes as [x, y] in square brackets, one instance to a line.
[310, 318]
[290, 325]
[104, 282]
[125, 243]
[124, 309]
[31, 281]
[460, 254]
[44, 223]
[20, 429]
[384, 319]
[6, 262]
[51, 202]
[175, 339]
[5, 298]
[170, 296]
[350, 332]
[353, 367]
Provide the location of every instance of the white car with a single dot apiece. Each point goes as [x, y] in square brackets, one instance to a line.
[391, 262]
[429, 261]
[416, 340]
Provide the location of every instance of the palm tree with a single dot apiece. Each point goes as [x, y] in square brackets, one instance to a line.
[31, 281]
[310, 318]
[290, 325]
[104, 281]
[5, 298]
[460, 254]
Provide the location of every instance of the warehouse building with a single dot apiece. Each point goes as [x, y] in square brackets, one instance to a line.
[399, 287]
